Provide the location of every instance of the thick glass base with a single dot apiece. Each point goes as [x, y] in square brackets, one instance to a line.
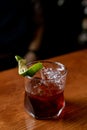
[56, 116]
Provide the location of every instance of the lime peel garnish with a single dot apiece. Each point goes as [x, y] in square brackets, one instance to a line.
[24, 70]
[34, 68]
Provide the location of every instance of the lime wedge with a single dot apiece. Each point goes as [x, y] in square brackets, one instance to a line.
[34, 68]
[24, 70]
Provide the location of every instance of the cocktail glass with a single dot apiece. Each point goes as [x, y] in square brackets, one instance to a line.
[44, 92]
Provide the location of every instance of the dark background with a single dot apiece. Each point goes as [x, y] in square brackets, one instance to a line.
[63, 25]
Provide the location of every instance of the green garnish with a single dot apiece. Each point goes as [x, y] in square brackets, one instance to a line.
[24, 70]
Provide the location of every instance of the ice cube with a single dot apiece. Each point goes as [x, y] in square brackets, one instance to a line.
[61, 67]
[49, 73]
[53, 76]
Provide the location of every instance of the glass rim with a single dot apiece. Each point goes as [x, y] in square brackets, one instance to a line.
[49, 62]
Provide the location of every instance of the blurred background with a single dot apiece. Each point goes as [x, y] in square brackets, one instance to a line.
[41, 29]
[65, 26]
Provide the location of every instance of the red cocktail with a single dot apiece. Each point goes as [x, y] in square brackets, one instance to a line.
[44, 93]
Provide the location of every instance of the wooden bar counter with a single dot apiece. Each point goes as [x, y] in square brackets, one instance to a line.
[73, 117]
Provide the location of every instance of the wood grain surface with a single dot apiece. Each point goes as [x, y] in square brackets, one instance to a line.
[73, 117]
